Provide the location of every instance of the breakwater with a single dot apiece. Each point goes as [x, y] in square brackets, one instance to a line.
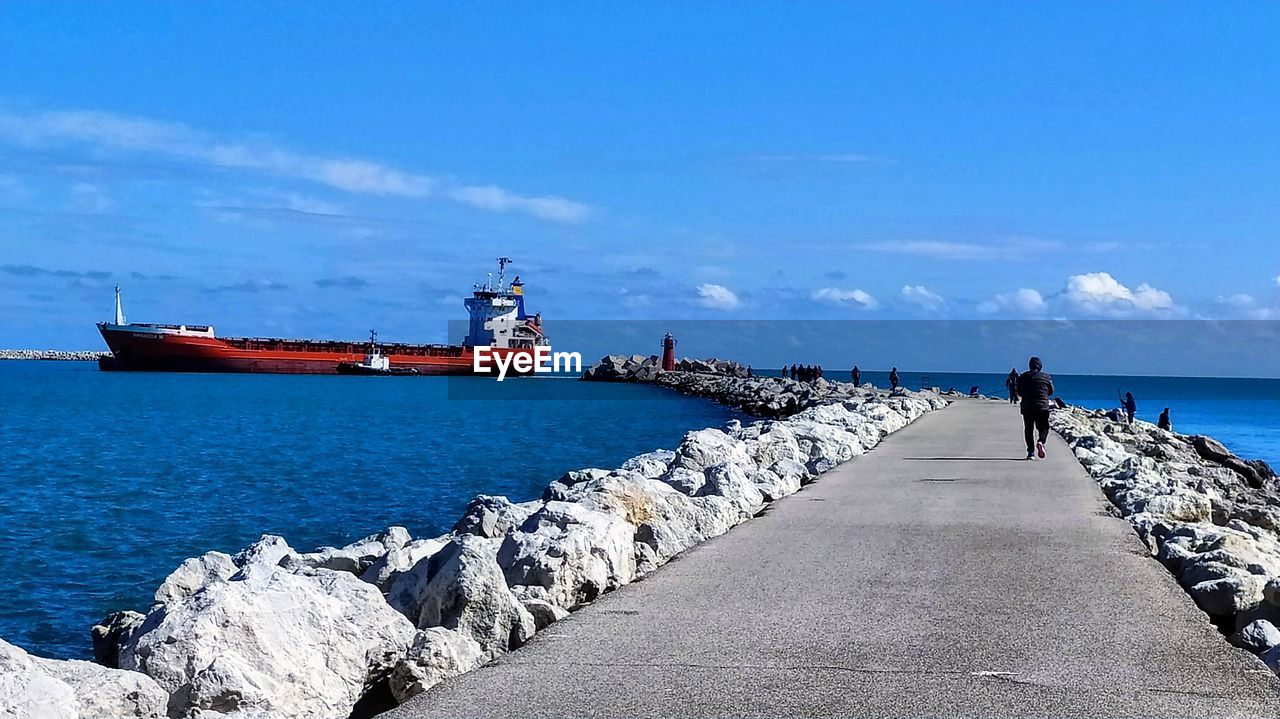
[61, 355]
[1210, 517]
[318, 634]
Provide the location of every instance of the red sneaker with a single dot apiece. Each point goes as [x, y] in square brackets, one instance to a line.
[1040, 450]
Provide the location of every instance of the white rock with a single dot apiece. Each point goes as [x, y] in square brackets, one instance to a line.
[769, 443]
[652, 464]
[387, 572]
[573, 552]
[435, 655]
[467, 592]
[1228, 596]
[358, 556]
[731, 482]
[103, 693]
[28, 692]
[492, 517]
[37, 688]
[305, 644]
[706, 447]
[685, 481]
[193, 575]
[270, 550]
[1258, 636]
[773, 486]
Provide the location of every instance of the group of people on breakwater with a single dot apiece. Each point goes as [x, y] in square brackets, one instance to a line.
[802, 373]
[810, 373]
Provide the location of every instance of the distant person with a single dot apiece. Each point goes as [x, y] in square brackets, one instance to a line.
[1011, 384]
[795, 372]
[893, 377]
[749, 372]
[784, 371]
[1130, 407]
[857, 376]
[819, 371]
[1163, 422]
[1035, 389]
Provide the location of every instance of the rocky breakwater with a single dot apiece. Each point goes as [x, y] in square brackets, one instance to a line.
[732, 384]
[272, 632]
[1210, 517]
[65, 355]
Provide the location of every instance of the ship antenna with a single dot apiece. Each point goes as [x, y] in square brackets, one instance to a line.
[119, 308]
[502, 270]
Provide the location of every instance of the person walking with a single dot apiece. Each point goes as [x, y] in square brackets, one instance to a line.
[1163, 422]
[857, 376]
[1130, 407]
[794, 371]
[1035, 389]
[893, 378]
[1011, 384]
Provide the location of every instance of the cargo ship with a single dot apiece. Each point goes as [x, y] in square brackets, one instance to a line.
[497, 320]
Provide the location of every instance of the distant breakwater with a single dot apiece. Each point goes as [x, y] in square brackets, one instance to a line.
[62, 355]
[273, 631]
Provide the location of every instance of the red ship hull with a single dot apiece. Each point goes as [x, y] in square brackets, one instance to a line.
[158, 352]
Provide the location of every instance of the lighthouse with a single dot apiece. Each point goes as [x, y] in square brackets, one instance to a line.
[668, 353]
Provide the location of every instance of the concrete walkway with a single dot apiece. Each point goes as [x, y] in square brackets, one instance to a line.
[939, 575]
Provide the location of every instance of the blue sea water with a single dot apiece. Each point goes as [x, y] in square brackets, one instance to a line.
[110, 480]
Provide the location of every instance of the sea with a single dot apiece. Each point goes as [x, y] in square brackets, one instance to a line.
[110, 479]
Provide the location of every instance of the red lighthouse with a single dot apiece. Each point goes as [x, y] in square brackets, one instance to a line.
[668, 353]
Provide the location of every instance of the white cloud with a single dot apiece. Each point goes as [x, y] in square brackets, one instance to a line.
[844, 298]
[1022, 301]
[1239, 301]
[496, 199]
[1099, 293]
[1005, 248]
[717, 297]
[922, 297]
[998, 248]
[1277, 280]
[1245, 305]
[108, 131]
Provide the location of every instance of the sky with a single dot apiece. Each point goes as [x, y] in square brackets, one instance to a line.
[317, 170]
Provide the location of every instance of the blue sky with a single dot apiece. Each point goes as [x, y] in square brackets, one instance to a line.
[317, 170]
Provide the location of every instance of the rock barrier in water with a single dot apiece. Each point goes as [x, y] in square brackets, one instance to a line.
[1211, 518]
[732, 384]
[65, 355]
[275, 632]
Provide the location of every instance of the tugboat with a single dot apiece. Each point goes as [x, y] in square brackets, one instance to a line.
[375, 363]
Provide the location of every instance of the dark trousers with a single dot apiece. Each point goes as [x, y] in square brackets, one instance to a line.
[1038, 421]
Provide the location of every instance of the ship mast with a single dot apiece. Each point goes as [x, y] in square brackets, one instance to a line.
[502, 271]
[119, 308]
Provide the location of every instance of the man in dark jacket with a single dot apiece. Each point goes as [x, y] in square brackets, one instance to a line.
[1035, 387]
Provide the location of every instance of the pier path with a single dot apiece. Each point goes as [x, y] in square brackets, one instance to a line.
[939, 575]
